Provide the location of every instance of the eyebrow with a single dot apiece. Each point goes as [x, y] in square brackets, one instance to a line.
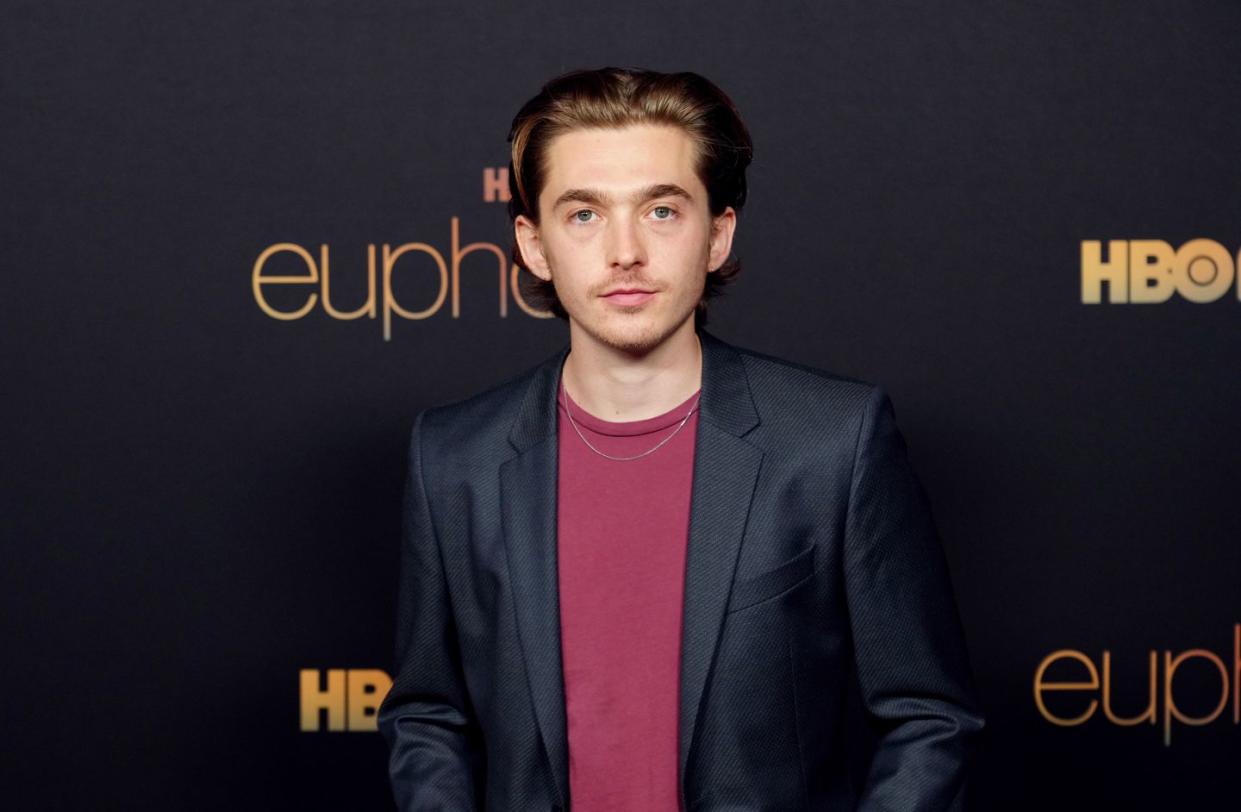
[597, 198]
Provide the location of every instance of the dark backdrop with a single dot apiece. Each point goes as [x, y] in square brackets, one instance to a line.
[201, 500]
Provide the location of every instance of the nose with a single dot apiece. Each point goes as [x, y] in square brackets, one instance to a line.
[625, 245]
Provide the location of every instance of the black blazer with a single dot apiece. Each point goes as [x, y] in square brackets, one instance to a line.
[812, 552]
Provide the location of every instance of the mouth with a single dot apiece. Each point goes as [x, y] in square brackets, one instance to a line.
[629, 296]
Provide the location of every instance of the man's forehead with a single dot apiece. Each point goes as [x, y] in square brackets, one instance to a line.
[623, 159]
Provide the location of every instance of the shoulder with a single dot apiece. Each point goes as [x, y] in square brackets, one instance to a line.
[781, 386]
[478, 424]
[809, 410]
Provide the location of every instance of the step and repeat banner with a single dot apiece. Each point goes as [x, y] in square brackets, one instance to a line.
[245, 243]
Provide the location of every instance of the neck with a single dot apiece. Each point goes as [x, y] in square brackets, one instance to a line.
[616, 385]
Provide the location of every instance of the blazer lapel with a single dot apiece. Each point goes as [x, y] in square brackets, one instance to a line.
[725, 472]
[528, 508]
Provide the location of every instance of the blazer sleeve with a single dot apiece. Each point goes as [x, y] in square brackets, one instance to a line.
[426, 716]
[912, 664]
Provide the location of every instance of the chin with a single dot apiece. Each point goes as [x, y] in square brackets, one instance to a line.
[636, 344]
[635, 336]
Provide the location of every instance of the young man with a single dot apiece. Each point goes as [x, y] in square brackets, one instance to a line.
[641, 575]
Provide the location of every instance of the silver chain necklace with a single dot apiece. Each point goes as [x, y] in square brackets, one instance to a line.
[684, 420]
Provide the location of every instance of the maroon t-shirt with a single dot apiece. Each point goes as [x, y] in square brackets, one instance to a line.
[622, 532]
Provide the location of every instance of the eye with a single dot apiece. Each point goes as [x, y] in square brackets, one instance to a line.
[668, 212]
[578, 218]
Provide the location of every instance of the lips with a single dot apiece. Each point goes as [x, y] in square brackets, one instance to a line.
[629, 296]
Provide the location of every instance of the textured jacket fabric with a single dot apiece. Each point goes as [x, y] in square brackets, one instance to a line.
[812, 560]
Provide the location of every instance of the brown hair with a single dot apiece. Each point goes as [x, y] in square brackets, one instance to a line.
[617, 97]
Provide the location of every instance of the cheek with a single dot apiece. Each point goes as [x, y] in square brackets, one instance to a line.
[692, 255]
[570, 268]
[573, 248]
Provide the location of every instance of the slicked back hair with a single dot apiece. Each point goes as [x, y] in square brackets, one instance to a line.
[616, 98]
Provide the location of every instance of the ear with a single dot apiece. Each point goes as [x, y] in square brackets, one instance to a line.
[527, 234]
[721, 243]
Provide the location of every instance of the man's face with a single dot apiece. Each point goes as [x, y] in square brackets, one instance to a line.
[623, 209]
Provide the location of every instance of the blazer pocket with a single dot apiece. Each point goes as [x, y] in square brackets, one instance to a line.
[784, 576]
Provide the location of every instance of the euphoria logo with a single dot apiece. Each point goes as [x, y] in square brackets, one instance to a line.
[1086, 684]
[295, 265]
